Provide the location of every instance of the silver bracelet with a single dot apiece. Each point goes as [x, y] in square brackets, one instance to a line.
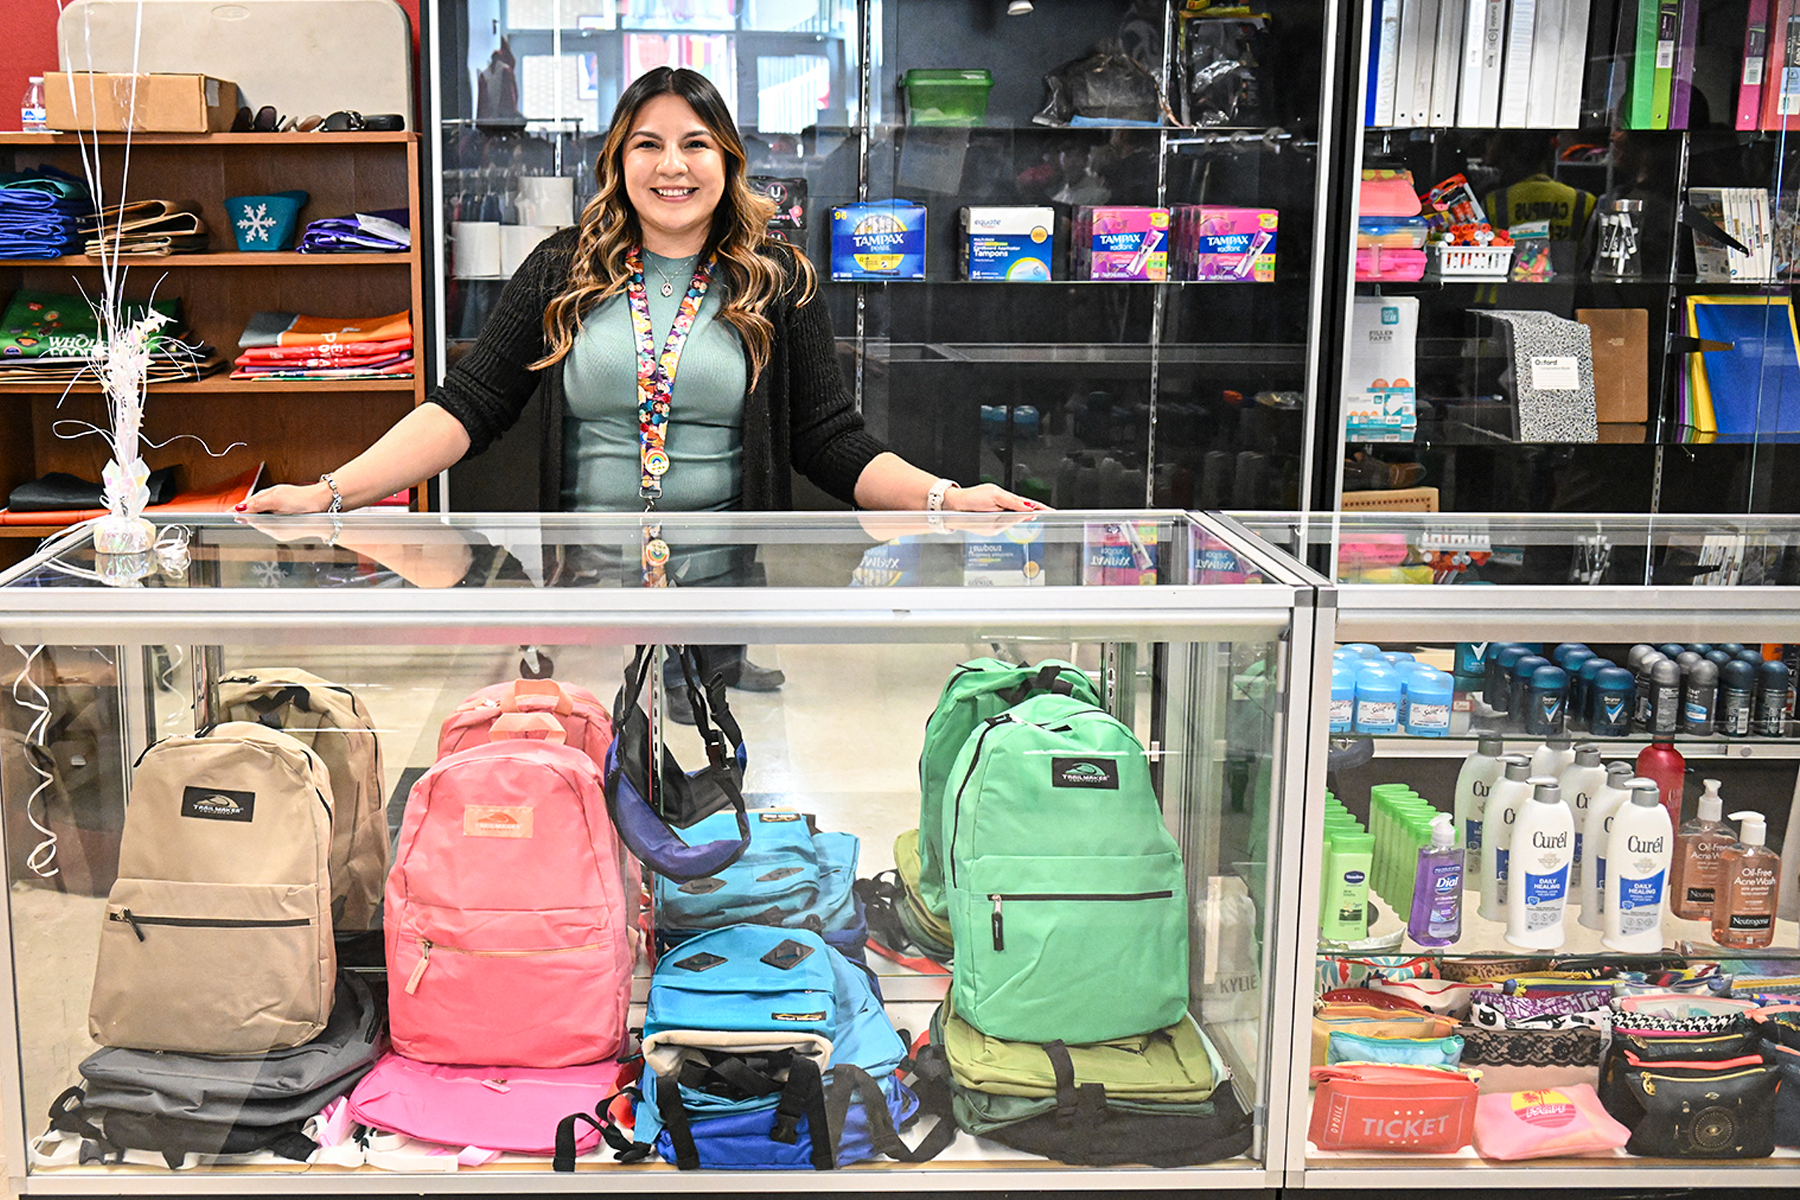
[337, 497]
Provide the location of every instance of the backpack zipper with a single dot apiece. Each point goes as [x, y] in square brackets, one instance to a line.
[426, 946]
[137, 922]
[998, 897]
[975, 758]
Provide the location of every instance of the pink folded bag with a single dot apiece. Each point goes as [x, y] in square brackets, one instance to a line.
[1544, 1124]
[496, 1108]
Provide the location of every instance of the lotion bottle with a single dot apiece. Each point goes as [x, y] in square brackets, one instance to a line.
[1662, 762]
[1543, 845]
[1581, 781]
[1638, 852]
[1553, 757]
[1698, 847]
[1749, 874]
[1601, 810]
[1436, 918]
[1509, 793]
[1480, 771]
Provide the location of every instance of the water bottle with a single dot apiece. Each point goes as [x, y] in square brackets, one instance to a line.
[33, 118]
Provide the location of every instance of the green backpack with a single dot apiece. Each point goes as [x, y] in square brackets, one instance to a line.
[1068, 900]
[979, 689]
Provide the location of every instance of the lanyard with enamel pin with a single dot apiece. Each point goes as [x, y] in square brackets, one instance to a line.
[656, 384]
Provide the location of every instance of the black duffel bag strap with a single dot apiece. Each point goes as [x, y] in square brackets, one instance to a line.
[741, 1079]
[852, 1082]
[707, 698]
[675, 1122]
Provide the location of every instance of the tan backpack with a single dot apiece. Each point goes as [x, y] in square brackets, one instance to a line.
[331, 721]
[218, 936]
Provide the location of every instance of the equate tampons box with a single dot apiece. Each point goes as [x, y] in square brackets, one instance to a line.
[1012, 243]
[883, 239]
[1117, 242]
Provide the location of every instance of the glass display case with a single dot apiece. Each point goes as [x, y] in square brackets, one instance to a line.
[1184, 380]
[1661, 169]
[1190, 634]
[1531, 981]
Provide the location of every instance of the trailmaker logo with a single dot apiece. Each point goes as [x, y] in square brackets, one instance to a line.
[217, 804]
[1084, 773]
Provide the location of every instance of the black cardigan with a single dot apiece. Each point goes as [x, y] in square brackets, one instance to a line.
[799, 416]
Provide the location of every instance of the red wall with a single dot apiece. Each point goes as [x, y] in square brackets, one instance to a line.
[29, 48]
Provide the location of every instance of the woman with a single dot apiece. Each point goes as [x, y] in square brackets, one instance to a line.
[670, 256]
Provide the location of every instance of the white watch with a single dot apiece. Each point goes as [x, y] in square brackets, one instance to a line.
[934, 499]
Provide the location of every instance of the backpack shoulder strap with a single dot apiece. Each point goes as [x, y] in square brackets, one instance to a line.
[852, 1082]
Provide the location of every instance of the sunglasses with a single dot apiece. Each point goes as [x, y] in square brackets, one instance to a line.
[267, 120]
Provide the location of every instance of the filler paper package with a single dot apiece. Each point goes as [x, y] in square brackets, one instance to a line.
[1010, 243]
[1380, 394]
[1116, 242]
[1225, 243]
[883, 239]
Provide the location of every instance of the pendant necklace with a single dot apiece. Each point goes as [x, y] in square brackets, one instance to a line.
[668, 285]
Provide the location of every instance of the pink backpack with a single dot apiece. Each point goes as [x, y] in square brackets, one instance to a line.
[587, 726]
[517, 1110]
[510, 932]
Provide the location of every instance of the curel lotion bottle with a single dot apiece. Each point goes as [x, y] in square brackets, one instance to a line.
[1637, 873]
[1581, 782]
[1543, 845]
[1480, 771]
[1594, 831]
[1497, 819]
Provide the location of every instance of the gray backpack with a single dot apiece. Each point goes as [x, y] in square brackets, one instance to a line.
[218, 936]
[334, 724]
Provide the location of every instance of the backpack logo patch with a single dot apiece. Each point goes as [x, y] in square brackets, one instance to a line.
[1084, 773]
[778, 873]
[777, 816]
[496, 820]
[786, 956]
[702, 887]
[217, 804]
[700, 962]
[811, 1016]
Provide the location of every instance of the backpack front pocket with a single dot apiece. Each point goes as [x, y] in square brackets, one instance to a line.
[211, 968]
[1071, 949]
[507, 988]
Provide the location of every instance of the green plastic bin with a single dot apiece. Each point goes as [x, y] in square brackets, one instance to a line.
[946, 96]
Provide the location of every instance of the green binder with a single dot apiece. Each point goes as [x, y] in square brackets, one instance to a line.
[1668, 30]
[1639, 98]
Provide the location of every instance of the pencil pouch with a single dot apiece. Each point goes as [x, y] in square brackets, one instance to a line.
[1370, 1106]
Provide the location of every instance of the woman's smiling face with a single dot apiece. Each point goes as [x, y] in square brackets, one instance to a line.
[674, 176]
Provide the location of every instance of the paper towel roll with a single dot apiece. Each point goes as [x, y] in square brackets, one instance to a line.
[475, 249]
[546, 200]
[517, 241]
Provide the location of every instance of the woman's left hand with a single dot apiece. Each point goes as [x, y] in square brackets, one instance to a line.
[989, 497]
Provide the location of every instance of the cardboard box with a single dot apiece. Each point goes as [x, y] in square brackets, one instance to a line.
[82, 101]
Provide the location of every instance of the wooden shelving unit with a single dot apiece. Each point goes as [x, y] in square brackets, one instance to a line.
[297, 427]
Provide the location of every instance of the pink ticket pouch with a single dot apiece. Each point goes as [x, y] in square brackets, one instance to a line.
[1544, 1124]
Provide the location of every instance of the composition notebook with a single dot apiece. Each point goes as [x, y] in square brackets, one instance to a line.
[1753, 387]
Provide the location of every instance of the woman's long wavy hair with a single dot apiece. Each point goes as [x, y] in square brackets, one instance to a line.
[609, 228]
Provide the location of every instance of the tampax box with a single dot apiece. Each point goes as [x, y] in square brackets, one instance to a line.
[95, 101]
[1009, 243]
[1119, 242]
[882, 239]
[1228, 243]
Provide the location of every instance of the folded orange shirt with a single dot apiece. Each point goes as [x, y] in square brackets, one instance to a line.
[220, 499]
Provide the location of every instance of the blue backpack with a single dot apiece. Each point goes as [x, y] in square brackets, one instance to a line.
[789, 876]
[757, 1041]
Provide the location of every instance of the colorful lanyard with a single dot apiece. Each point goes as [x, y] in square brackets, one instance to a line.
[656, 386]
